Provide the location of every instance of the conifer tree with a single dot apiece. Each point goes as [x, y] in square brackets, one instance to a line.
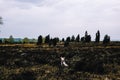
[78, 38]
[40, 40]
[63, 39]
[97, 39]
[54, 41]
[68, 39]
[72, 38]
[47, 39]
[87, 37]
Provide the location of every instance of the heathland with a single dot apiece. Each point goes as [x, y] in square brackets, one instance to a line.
[87, 61]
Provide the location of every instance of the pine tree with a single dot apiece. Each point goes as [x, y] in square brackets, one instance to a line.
[87, 37]
[78, 38]
[47, 39]
[68, 39]
[97, 39]
[63, 39]
[40, 40]
[54, 41]
[72, 38]
[86, 34]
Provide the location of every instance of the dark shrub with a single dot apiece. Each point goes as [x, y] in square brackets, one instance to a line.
[27, 75]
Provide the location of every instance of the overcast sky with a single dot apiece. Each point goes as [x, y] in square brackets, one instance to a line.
[62, 18]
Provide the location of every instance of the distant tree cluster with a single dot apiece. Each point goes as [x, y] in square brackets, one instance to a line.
[53, 41]
[85, 39]
[12, 40]
[48, 40]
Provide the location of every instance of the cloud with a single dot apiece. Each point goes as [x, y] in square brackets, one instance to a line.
[60, 17]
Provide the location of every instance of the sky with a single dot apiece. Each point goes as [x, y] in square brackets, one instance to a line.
[60, 18]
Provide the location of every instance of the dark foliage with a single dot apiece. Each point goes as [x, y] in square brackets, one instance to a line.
[68, 39]
[0, 41]
[72, 38]
[97, 38]
[27, 75]
[78, 38]
[83, 39]
[66, 44]
[38, 62]
[53, 41]
[63, 39]
[40, 40]
[47, 39]
[92, 67]
[86, 38]
[106, 39]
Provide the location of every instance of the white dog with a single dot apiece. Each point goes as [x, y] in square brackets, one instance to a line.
[63, 63]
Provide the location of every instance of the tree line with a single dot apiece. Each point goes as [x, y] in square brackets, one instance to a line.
[12, 40]
[53, 41]
[85, 39]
